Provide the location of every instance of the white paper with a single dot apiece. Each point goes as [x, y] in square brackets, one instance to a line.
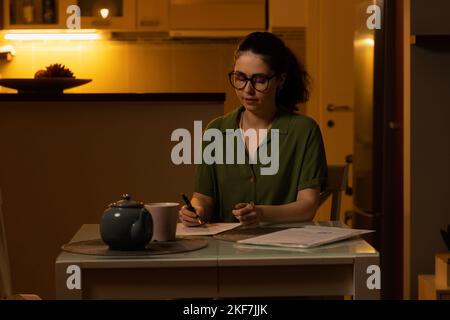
[306, 237]
[208, 229]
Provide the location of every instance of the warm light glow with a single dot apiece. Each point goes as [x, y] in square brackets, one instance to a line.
[104, 13]
[8, 49]
[52, 35]
[369, 42]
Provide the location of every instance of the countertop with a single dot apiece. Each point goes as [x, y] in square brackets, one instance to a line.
[178, 96]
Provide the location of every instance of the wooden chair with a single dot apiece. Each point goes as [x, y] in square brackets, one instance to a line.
[5, 274]
[336, 185]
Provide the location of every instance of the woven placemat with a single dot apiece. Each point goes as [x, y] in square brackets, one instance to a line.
[98, 247]
[246, 233]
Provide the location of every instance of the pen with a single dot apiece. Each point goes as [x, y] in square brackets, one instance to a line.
[190, 207]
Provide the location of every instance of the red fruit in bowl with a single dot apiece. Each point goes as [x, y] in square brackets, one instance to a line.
[54, 71]
[40, 74]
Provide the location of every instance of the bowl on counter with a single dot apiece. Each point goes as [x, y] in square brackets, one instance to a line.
[42, 85]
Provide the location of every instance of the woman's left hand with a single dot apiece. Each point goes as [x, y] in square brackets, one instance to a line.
[247, 213]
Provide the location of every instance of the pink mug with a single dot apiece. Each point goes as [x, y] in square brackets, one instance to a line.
[165, 219]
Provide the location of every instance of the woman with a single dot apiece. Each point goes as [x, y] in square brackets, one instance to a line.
[269, 82]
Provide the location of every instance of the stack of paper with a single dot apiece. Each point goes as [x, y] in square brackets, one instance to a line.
[208, 229]
[306, 237]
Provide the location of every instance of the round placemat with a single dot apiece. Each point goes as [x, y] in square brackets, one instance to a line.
[246, 233]
[98, 247]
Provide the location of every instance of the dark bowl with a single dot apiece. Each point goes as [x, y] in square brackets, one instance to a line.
[43, 85]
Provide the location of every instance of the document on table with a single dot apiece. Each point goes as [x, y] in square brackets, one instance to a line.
[306, 237]
[208, 229]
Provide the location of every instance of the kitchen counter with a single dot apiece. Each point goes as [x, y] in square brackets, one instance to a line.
[157, 97]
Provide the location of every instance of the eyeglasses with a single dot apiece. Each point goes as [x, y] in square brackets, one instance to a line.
[260, 82]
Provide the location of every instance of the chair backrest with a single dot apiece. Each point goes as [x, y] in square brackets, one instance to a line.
[5, 274]
[336, 184]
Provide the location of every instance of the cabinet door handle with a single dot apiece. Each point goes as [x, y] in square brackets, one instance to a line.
[394, 125]
[332, 108]
[101, 23]
[149, 23]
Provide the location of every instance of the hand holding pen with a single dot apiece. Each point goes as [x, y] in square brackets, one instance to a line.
[190, 216]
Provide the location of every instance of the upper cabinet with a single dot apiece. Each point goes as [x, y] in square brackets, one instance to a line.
[215, 17]
[114, 15]
[34, 14]
[107, 14]
[288, 13]
[174, 17]
[153, 15]
[52, 14]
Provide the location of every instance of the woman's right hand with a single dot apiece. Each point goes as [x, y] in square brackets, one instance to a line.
[189, 218]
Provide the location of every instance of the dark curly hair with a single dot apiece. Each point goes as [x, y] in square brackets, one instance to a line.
[280, 59]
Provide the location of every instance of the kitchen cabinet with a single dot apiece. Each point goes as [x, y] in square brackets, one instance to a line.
[108, 14]
[288, 13]
[153, 15]
[436, 286]
[429, 291]
[34, 14]
[213, 17]
[51, 14]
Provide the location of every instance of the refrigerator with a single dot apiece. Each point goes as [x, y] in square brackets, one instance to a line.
[377, 145]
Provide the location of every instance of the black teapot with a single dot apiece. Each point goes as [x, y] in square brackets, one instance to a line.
[126, 225]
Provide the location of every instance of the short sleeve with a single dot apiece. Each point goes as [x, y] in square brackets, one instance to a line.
[314, 169]
[205, 181]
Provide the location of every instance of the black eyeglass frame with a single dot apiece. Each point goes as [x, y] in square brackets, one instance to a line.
[251, 79]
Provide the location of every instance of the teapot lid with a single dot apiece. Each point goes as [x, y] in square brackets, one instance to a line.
[126, 202]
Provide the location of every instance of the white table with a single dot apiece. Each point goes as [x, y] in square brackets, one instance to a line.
[222, 269]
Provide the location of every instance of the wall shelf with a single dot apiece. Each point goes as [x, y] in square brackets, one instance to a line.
[431, 40]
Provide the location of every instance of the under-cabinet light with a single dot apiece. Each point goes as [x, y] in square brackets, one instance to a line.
[52, 35]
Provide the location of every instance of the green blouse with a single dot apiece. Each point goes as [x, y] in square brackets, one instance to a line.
[302, 164]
